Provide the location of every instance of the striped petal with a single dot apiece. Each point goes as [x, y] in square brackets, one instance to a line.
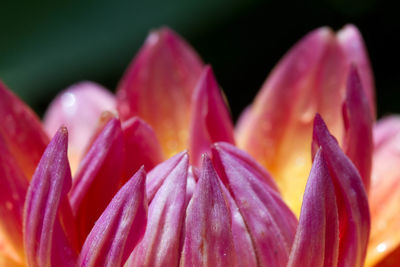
[158, 87]
[317, 237]
[119, 228]
[358, 144]
[353, 210]
[47, 225]
[208, 237]
[98, 178]
[210, 121]
[270, 223]
[78, 108]
[384, 197]
[21, 131]
[160, 245]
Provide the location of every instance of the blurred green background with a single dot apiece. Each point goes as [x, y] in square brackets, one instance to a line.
[48, 45]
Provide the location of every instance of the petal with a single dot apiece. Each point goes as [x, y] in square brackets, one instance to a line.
[78, 108]
[119, 228]
[141, 146]
[160, 245]
[98, 178]
[317, 236]
[46, 234]
[21, 131]
[352, 44]
[270, 223]
[385, 192]
[358, 127]
[210, 121]
[208, 237]
[158, 87]
[351, 197]
[279, 122]
[13, 187]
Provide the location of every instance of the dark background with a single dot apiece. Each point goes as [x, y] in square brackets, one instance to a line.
[47, 46]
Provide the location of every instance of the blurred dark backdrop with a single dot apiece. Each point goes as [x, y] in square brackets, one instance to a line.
[47, 46]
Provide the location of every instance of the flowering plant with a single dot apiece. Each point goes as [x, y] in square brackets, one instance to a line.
[159, 176]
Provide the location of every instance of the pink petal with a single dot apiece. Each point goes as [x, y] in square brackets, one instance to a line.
[13, 187]
[158, 87]
[21, 130]
[141, 146]
[160, 245]
[351, 197]
[119, 228]
[98, 178]
[47, 233]
[270, 223]
[211, 121]
[78, 108]
[384, 197]
[317, 236]
[208, 237]
[358, 127]
[352, 44]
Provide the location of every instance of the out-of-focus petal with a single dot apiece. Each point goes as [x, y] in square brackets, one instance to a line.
[357, 143]
[21, 131]
[158, 87]
[160, 245]
[78, 108]
[98, 178]
[208, 237]
[351, 197]
[141, 146]
[278, 129]
[210, 121]
[269, 221]
[317, 237]
[47, 234]
[119, 228]
[352, 44]
[384, 195]
[13, 187]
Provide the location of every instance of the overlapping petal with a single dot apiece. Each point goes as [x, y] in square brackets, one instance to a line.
[47, 222]
[119, 228]
[158, 87]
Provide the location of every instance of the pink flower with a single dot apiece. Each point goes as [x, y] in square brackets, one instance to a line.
[116, 188]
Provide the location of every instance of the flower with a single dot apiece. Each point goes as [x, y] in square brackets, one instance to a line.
[90, 203]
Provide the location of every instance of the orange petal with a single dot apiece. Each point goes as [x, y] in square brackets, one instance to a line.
[385, 192]
[21, 131]
[158, 88]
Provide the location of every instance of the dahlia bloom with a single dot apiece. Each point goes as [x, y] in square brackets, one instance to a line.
[158, 176]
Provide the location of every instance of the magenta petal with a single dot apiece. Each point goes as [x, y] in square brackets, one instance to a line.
[352, 44]
[13, 187]
[210, 121]
[46, 242]
[119, 228]
[160, 245]
[270, 222]
[208, 237]
[141, 146]
[78, 108]
[158, 87]
[354, 217]
[317, 237]
[22, 131]
[358, 144]
[98, 178]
